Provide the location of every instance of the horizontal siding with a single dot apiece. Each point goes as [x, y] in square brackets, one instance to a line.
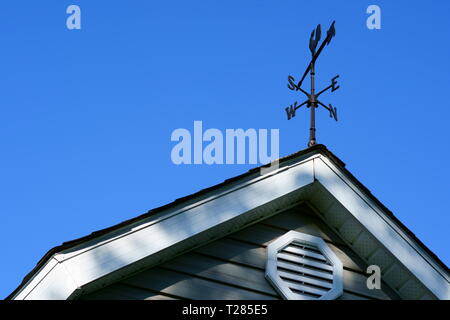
[190, 286]
[261, 235]
[126, 292]
[241, 276]
[233, 267]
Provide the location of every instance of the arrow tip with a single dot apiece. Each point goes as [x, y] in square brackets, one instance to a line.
[331, 32]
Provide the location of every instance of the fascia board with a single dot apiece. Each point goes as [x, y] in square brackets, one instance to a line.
[80, 267]
[379, 224]
[53, 282]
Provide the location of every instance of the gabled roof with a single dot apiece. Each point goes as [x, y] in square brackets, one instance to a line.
[225, 207]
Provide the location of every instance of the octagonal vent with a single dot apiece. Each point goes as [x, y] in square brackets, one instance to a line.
[303, 267]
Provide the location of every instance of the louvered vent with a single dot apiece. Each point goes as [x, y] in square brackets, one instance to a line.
[303, 267]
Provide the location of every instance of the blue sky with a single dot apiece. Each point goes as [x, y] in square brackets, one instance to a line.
[86, 115]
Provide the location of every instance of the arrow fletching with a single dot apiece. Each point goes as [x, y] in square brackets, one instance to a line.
[315, 38]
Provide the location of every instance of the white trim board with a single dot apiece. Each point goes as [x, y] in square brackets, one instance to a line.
[418, 262]
[91, 262]
[98, 260]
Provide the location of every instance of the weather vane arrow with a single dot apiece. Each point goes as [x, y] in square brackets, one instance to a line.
[312, 102]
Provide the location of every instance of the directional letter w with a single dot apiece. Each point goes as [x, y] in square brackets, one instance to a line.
[290, 111]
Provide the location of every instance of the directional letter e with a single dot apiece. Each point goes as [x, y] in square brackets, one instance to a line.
[374, 20]
[74, 20]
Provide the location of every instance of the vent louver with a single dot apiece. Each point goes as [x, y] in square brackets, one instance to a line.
[303, 267]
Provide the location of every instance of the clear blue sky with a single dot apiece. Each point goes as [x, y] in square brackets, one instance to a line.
[86, 115]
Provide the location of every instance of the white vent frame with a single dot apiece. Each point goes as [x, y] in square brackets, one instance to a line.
[333, 263]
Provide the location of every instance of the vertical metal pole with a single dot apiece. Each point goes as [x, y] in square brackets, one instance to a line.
[313, 103]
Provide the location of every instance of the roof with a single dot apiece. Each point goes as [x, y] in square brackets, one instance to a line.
[317, 149]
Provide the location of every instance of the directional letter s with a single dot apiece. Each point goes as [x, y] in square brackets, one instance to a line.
[291, 83]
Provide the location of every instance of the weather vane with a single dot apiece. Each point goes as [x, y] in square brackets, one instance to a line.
[312, 102]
